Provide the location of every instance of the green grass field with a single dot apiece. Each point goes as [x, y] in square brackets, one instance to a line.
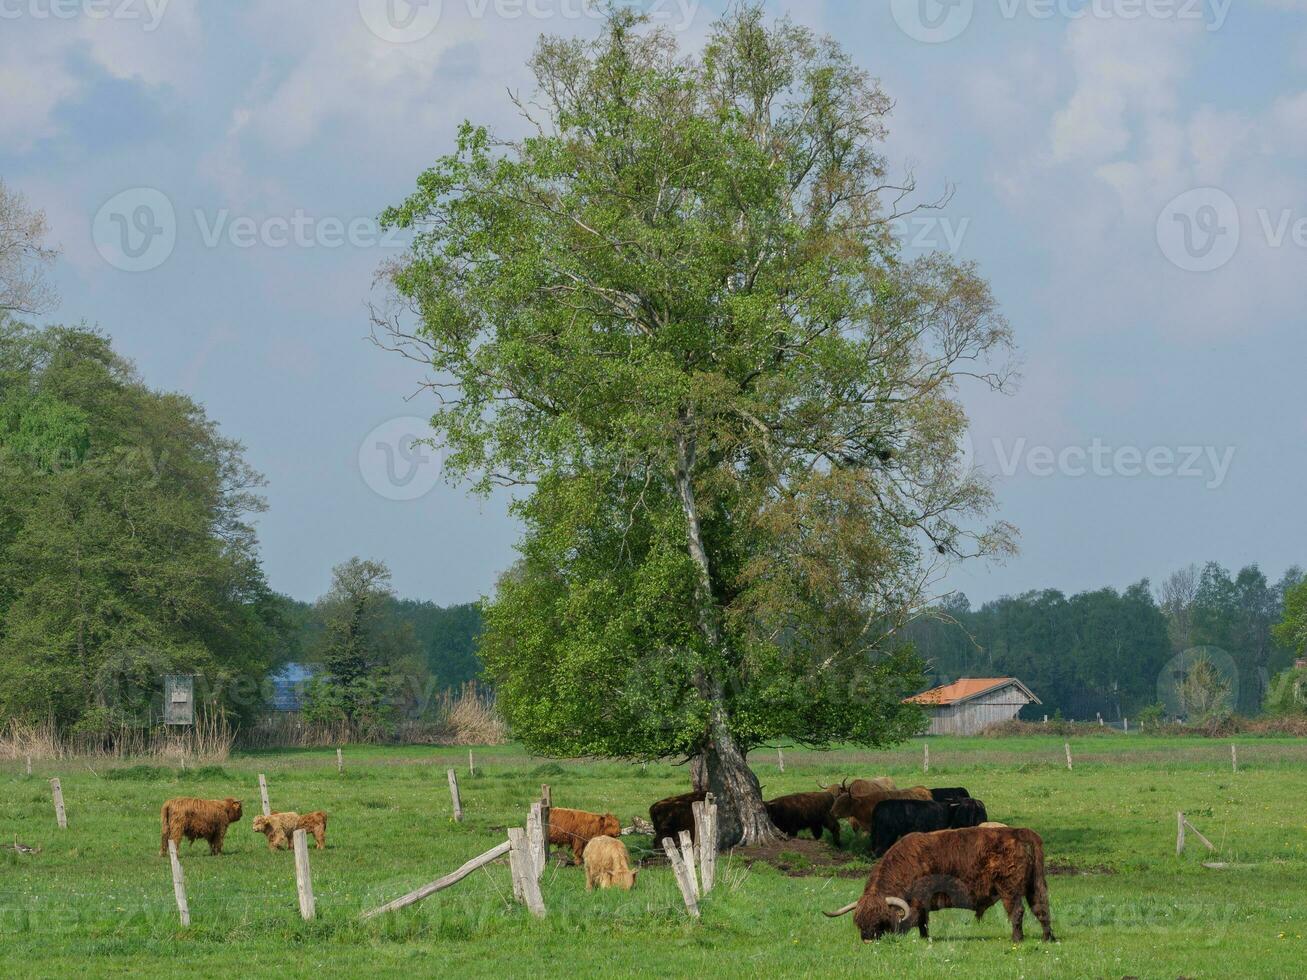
[97, 901]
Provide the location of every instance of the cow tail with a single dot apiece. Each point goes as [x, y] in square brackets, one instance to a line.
[1037, 887]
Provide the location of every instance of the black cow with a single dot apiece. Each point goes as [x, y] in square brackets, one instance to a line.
[804, 811]
[945, 794]
[894, 819]
[674, 814]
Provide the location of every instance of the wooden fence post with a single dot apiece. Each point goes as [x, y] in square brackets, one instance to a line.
[58, 794]
[471, 767]
[179, 884]
[687, 855]
[29, 765]
[1068, 756]
[522, 866]
[780, 758]
[1127, 726]
[303, 876]
[1183, 824]
[1179, 833]
[1045, 719]
[1234, 757]
[413, 897]
[263, 794]
[705, 826]
[925, 758]
[453, 795]
[546, 807]
[535, 844]
[683, 879]
[340, 763]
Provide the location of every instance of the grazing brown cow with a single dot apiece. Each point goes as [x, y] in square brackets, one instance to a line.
[608, 865]
[857, 809]
[186, 816]
[804, 811]
[674, 814]
[575, 828]
[280, 827]
[954, 869]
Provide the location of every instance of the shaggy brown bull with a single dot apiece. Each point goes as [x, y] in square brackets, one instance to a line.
[857, 809]
[186, 816]
[804, 811]
[954, 869]
[576, 828]
[674, 814]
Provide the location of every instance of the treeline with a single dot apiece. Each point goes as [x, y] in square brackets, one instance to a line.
[1115, 653]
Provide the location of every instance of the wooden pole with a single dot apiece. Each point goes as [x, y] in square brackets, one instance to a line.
[683, 879]
[29, 765]
[453, 795]
[303, 876]
[1068, 756]
[1127, 726]
[546, 807]
[523, 870]
[1045, 719]
[780, 758]
[535, 846]
[1234, 757]
[925, 758]
[340, 763]
[1197, 833]
[1179, 833]
[179, 884]
[58, 794]
[453, 878]
[687, 855]
[263, 794]
[471, 766]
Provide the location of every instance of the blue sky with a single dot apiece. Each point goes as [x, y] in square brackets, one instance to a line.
[1130, 174]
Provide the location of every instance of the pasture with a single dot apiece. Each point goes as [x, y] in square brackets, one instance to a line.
[97, 900]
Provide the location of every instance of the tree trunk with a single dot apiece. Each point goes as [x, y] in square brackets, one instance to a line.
[741, 816]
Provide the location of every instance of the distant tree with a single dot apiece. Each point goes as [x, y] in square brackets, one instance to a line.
[1204, 692]
[371, 658]
[677, 314]
[1292, 628]
[24, 257]
[1176, 598]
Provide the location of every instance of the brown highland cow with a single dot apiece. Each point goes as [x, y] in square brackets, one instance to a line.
[186, 816]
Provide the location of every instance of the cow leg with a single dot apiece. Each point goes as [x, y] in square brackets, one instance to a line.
[1037, 896]
[923, 924]
[833, 826]
[1016, 913]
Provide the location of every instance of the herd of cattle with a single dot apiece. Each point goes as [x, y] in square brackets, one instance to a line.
[937, 848]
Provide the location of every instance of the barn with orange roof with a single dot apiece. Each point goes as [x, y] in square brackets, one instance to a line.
[970, 704]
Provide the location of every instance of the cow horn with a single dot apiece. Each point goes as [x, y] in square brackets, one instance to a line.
[844, 911]
[899, 904]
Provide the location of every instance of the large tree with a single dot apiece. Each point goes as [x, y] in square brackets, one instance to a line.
[125, 548]
[25, 257]
[675, 318]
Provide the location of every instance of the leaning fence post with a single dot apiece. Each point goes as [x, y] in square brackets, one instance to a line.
[535, 845]
[59, 813]
[303, 876]
[1068, 756]
[263, 794]
[522, 866]
[453, 795]
[687, 854]
[178, 884]
[683, 880]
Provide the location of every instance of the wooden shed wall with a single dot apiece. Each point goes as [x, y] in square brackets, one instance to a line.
[972, 717]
